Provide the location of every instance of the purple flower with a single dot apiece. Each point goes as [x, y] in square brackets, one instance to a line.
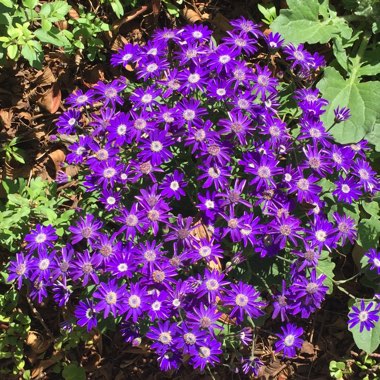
[289, 340]
[366, 315]
[238, 124]
[341, 114]
[135, 302]
[86, 228]
[274, 41]
[346, 227]
[204, 318]
[68, 121]
[41, 266]
[41, 238]
[85, 265]
[173, 185]
[112, 298]
[244, 299]
[109, 93]
[347, 190]
[264, 83]
[374, 259]
[308, 294]
[206, 354]
[164, 336]
[19, 269]
[366, 175]
[86, 314]
[80, 99]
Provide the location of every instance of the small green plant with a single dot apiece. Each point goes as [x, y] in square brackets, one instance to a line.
[337, 369]
[28, 203]
[268, 11]
[12, 151]
[354, 39]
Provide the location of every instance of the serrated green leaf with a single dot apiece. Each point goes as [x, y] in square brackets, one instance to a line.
[362, 99]
[302, 22]
[366, 340]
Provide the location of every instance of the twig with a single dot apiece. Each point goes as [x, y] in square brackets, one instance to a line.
[37, 314]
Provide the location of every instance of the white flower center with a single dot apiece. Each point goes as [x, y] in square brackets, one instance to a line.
[121, 129]
[111, 298]
[134, 301]
[224, 59]
[44, 264]
[156, 146]
[174, 185]
[111, 200]
[122, 267]
[289, 340]
[194, 78]
[345, 188]
[321, 235]
[205, 251]
[241, 300]
[40, 238]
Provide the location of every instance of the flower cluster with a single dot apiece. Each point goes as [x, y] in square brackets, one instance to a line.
[198, 169]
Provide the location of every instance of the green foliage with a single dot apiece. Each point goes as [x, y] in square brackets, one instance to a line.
[25, 28]
[326, 266]
[12, 338]
[337, 369]
[268, 11]
[74, 372]
[310, 21]
[11, 151]
[25, 204]
[356, 55]
[362, 99]
[366, 340]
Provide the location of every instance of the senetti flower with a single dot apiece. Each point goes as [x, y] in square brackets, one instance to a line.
[208, 168]
[289, 340]
[364, 315]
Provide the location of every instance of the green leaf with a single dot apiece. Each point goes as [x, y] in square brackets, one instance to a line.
[172, 9]
[12, 51]
[74, 372]
[48, 37]
[117, 7]
[326, 266]
[31, 4]
[371, 64]
[362, 99]
[366, 340]
[46, 24]
[33, 55]
[310, 21]
[7, 3]
[369, 232]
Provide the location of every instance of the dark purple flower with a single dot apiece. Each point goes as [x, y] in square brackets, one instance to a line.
[164, 336]
[204, 318]
[42, 265]
[86, 228]
[238, 124]
[86, 314]
[111, 298]
[80, 99]
[213, 285]
[347, 190]
[173, 185]
[19, 269]
[85, 266]
[374, 259]
[289, 340]
[135, 302]
[264, 82]
[366, 315]
[206, 354]
[41, 238]
[274, 41]
[108, 93]
[346, 227]
[244, 300]
[341, 114]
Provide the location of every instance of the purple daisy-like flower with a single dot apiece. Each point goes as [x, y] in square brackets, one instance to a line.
[366, 175]
[206, 249]
[164, 336]
[122, 264]
[135, 302]
[173, 185]
[286, 228]
[374, 259]
[341, 114]
[346, 228]
[322, 233]
[347, 190]
[42, 265]
[212, 285]
[80, 99]
[289, 340]
[274, 41]
[112, 298]
[263, 82]
[238, 124]
[19, 269]
[308, 294]
[204, 318]
[86, 228]
[127, 54]
[86, 314]
[244, 300]
[68, 121]
[108, 93]
[85, 266]
[156, 148]
[206, 354]
[41, 238]
[364, 315]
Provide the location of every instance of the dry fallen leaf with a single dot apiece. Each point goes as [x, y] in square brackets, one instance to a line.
[6, 118]
[190, 15]
[58, 157]
[37, 342]
[50, 100]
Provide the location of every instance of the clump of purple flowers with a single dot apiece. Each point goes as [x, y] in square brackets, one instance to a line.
[202, 142]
